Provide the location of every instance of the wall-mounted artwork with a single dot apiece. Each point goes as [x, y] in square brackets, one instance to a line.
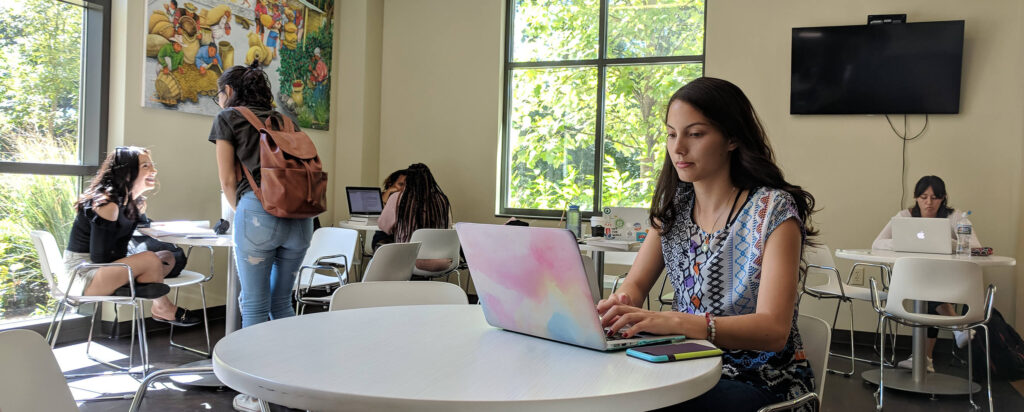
[190, 43]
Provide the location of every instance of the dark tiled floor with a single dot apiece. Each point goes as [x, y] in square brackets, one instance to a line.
[841, 393]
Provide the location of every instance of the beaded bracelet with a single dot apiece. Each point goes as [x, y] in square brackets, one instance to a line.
[710, 319]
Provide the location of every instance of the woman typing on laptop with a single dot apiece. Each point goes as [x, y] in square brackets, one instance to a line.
[729, 230]
[420, 205]
[930, 202]
[930, 196]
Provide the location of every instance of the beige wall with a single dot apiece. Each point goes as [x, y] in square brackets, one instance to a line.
[185, 159]
[441, 97]
[851, 163]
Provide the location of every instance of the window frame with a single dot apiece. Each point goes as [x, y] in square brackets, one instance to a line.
[94, 96]
[601, 63]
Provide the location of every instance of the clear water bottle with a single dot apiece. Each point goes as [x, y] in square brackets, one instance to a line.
[963, 235]
[572, 220]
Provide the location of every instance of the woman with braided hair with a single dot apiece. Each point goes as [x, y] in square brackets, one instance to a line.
[422, 205]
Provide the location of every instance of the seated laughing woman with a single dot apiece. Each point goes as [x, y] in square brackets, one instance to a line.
[107, 214]
[729, 230]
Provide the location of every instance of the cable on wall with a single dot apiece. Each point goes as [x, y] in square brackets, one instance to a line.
[905, 139]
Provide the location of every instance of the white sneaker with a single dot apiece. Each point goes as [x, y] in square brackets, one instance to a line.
[909, 364]
[246, 403]
[962, 337]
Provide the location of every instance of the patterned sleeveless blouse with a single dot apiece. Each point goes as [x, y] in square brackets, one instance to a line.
[724, 280]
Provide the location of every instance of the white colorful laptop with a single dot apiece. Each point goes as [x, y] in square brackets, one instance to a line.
[626, 223]
[922, 235]
[531, 280]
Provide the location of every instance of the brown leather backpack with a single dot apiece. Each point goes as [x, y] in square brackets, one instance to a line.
[293, 183]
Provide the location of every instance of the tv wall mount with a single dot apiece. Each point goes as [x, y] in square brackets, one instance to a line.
[886, 18]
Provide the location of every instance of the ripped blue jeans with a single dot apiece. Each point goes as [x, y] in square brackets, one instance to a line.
[268, 253]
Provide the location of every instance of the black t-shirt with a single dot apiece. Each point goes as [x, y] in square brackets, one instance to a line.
[105, 241]
[232, 126]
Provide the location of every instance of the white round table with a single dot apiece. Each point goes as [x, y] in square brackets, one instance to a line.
[440, 358]
[889, 257]
[598, 251]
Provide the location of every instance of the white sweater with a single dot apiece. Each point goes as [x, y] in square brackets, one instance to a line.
[884, 239]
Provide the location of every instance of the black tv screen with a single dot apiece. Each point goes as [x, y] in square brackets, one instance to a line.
[877, 69]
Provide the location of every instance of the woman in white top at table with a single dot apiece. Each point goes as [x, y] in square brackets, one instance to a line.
[931, 201]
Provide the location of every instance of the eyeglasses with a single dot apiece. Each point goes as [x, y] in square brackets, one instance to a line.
[931, 198]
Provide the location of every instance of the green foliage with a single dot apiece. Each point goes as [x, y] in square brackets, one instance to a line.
[32, 202]
[40, 66]
[552, 119]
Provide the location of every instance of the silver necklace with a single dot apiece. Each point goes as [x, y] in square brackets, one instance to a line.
[705, 243]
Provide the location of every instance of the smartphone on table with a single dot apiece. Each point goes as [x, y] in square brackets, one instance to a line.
[674, 352]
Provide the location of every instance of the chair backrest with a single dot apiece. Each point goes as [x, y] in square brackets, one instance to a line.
[50, 260]
[31, 379]
[329, 241]
[437, 244]
[374, 294]
[819, 255]
[817, 338]
[392, 262]
[937, 280]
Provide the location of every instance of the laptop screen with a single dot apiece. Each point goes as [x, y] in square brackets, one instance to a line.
[364, 200]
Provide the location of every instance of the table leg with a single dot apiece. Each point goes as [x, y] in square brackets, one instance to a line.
[599, 269]
[919, 335]
[232, 316]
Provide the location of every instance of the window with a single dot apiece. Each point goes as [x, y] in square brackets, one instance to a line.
[53, 123]
[586, 82]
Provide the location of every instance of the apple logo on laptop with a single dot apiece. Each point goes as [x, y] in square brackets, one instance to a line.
[920, 235]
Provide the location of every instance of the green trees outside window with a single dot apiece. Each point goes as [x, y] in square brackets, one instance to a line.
[41, 49]
[586, 85]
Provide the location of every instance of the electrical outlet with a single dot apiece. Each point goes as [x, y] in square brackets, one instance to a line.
[858, 276]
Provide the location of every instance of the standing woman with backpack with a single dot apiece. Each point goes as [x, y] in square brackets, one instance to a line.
[268, 249]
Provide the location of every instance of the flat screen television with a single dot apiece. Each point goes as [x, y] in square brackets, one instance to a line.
[906, 68]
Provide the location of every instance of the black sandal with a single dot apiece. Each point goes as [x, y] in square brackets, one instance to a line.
[182, 318]
[144, 290]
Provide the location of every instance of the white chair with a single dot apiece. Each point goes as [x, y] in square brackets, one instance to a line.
[330, 249]
[438, 244]
[955, 281]
[31, 377]
[189, 278]
[52, 266]
[819, 262]
[392, 262]
[817, 338]
[376, 294]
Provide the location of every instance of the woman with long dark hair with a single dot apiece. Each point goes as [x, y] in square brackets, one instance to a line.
[422, 205]
[107, 214]
[729, 230]
[268, 249]
[930, 201]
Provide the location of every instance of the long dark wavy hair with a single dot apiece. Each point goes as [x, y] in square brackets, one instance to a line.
[938, 188]
[423, 204]
[250, 86]
[113, 182]
[751, 164]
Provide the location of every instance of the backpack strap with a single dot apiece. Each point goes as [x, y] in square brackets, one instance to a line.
[251, 117]
[255, 121]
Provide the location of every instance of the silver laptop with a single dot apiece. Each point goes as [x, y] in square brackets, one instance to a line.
[922, 235]
[531, 280]
[364, 202]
